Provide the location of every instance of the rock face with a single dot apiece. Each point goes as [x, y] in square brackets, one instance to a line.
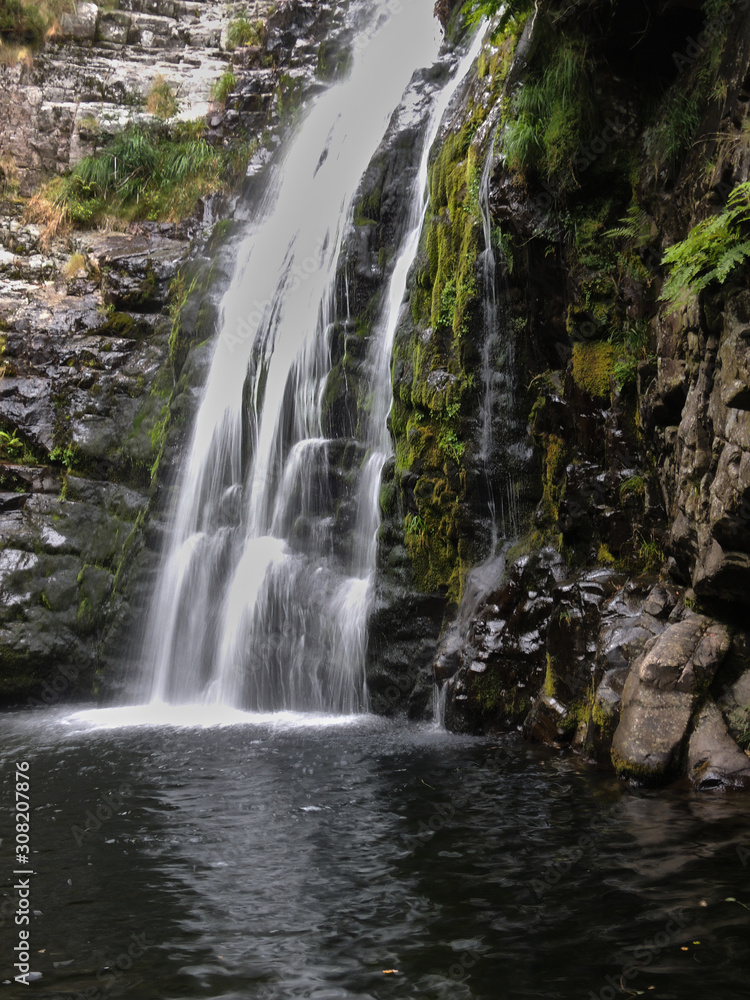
[636, 502]
[85, 394]
[97, 70]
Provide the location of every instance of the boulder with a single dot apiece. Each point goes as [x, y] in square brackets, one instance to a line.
[80, 24]
[714, 759]
[660, 695]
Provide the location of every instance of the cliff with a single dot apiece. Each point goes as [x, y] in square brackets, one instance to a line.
[109, 294]
[615, 621]
[564, 543]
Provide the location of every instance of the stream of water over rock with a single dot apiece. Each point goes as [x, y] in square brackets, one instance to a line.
[255, 606]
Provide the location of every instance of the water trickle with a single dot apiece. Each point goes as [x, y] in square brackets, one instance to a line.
[256, 606]
[498, 377]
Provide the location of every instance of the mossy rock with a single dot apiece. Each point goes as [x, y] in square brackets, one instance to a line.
[593, 367]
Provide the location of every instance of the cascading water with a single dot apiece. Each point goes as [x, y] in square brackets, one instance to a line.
[255, 607]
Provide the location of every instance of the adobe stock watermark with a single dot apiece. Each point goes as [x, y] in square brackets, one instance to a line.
[247, 328]
[585, 157]
[562, 864]
[103, 810]
[59, 686]
[715, 28]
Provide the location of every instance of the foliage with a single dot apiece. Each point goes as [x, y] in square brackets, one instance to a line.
[142, 174]
[635, 227]
[11, 446]
[415, 528]
[223, 86]
[712, 250]
[650, 555]
[509, 10]
[28, 21]
[633, 486]
[243, 31]
[677, 120]
[162, 99]
[551, 115]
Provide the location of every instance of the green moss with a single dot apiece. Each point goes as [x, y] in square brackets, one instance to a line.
[593, 367]
[549, 679]
[488, 692]
[388, 498]
[604, 557]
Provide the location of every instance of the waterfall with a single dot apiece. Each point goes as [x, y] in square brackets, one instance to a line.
[255, 605]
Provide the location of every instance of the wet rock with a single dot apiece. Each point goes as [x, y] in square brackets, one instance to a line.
[549, 722]
[714, 760]
[660, 695]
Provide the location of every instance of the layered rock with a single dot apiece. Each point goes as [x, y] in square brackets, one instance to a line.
[83, 404]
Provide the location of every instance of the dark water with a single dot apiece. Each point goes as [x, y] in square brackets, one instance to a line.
[280, 860]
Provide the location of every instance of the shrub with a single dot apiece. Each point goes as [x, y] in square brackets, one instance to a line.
[243, 31]
[162, 99]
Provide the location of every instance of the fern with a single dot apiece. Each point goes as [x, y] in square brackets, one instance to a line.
[635, 227]
[712, 251]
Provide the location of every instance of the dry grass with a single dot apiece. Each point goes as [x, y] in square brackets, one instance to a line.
[44, 211]
[8, 175]
[75, 263]
[14, 55]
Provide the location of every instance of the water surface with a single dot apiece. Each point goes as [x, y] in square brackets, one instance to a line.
[286, 856]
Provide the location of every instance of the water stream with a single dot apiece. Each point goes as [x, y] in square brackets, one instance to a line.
[255, 606]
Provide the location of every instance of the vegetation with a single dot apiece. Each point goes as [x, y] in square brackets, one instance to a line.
[593, 366]
[242, 31]
[509, 11]
[26, 22]
[552, 115]
[677, 119]
[223, 87]
[333, 61]
[162, 99]
[289, 97]
[140, 174]
[711, 252]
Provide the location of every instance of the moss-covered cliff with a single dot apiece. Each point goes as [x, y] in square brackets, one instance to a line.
[613, 131]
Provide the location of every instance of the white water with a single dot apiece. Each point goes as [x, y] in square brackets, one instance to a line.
[255, 607]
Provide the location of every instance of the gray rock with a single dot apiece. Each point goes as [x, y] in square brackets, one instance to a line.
[80, 24]
[660, 695]
[714, 759]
